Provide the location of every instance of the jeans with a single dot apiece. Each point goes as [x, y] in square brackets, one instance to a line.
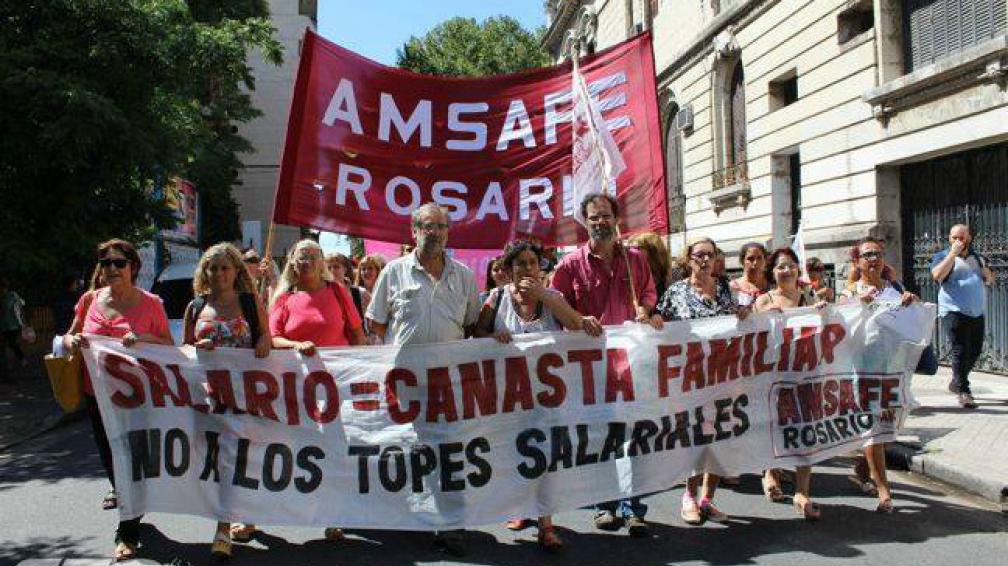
[128, 530]
[965, 335]
[624, 508]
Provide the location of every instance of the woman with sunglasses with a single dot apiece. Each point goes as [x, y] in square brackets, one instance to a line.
[124, 311]
[309, 310]
[702, 294]
[783, 269]
[226, 312]
[872, 279]
[524, 305]
[262, 272]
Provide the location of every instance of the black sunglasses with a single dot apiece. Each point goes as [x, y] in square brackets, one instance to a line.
[251, 260]
[120, 263]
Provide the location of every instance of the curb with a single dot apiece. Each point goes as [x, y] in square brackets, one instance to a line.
[907, 457]
[50, 423]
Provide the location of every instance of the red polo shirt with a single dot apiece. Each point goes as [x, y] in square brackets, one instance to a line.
[604, 292]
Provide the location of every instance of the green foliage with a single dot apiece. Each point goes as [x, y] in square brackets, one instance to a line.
[464, 47]
[102, 100]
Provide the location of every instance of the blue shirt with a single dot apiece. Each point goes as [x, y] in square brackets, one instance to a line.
[963, 289]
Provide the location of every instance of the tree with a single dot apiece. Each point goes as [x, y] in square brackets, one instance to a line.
[464, 47]
[103, 100]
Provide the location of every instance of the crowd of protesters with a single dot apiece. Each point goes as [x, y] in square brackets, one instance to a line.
[425, 296]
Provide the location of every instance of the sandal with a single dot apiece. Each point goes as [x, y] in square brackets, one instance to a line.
[517, 524]
[333, 534]
[124, 551]
[867, 486]
[241, 532]
[221, 546]
[810, 511]
[885, 506]
[548, 540]
[111, 500]
[772, 492]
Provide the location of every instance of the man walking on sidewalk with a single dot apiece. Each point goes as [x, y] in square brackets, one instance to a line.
[962, 303]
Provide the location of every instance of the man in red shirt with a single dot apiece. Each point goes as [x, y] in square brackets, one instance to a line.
[595, 281]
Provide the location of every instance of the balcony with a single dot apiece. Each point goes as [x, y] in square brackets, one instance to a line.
[730, 187]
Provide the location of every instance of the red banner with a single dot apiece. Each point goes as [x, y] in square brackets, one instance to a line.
[366, 144]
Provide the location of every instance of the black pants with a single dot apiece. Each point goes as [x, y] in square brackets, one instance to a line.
[965, 335]
[128, 530]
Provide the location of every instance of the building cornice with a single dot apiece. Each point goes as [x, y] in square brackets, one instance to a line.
[566, 11]
[702, 43]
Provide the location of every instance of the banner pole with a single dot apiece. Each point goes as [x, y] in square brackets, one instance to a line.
[602, 176]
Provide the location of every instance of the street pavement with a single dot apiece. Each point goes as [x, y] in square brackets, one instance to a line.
[51, 489]
[51, 485]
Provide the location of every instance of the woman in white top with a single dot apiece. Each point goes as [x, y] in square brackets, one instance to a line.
[522, 306]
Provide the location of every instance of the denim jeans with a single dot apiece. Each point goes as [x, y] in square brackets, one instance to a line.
[965, 335]
[625, 508]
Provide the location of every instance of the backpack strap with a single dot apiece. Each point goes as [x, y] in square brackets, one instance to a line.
[357, 301]
[497, 303]
[250, 310]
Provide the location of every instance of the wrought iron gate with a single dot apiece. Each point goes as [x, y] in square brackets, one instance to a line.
[965, 188]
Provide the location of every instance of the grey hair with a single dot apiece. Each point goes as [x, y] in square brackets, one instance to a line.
[429, 207]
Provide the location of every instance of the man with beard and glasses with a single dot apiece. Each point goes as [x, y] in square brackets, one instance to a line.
[426, 297]
[595, 281]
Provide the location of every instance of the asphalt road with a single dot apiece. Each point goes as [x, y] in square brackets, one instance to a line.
[51, 489]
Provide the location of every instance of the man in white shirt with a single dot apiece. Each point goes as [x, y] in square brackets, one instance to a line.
[426, 297]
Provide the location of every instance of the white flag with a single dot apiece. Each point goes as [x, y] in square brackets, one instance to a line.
[596, 157]
[798, 247]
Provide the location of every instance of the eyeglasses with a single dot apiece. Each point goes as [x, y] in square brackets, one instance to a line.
[251, 260]
[119, 263]
[430, 226]
[702, 256]
[871, 255]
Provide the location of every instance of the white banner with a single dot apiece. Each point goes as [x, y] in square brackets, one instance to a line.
[475, 432]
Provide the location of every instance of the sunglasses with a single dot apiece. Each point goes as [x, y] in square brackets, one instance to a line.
[118, 262]
[871, 255]
[251, 260]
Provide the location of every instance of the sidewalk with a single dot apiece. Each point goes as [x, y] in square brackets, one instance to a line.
[965, 448]
[27, 407]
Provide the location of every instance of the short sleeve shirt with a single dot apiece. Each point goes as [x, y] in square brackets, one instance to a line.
[593, 289]
[963, 289]
[683, 302]
[322, 316]
[146, 317]
[419, 309]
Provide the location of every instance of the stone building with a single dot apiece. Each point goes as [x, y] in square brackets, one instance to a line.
[851, 117]
[274, 88]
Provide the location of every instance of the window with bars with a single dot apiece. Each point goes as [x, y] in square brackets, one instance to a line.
[934, 29]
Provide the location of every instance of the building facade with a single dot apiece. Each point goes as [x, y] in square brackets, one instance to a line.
[847, 117]
[274, 88]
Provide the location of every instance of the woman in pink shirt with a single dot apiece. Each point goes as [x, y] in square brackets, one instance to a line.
[309, 310]
[120, 310]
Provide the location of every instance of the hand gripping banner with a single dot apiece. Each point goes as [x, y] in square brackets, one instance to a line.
[474, 432]
[366, 144]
